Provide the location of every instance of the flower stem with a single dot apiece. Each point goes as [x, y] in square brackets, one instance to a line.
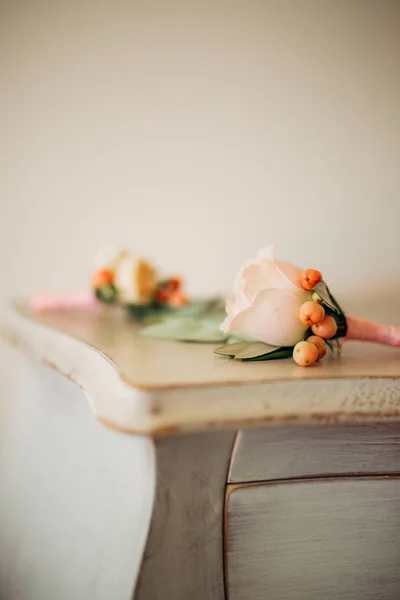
[367, 331]
[47, 302]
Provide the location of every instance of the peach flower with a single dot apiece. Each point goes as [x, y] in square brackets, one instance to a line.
[135, 280]
[268, 297]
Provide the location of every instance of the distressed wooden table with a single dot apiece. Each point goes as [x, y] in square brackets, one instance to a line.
[243, 481]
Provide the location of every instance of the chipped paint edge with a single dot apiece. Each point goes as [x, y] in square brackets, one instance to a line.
[111, 400]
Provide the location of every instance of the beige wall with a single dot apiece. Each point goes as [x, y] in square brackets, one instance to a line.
[197, 131]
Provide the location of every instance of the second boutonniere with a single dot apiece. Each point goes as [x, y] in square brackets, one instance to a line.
[130, 280]
[157, 302]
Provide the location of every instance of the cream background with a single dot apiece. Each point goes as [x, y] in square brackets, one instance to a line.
[195, 132]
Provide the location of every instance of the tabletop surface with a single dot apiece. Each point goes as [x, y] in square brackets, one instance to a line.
[149, 364]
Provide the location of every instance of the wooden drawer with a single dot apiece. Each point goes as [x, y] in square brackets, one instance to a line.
[328, 539]
[283, 452]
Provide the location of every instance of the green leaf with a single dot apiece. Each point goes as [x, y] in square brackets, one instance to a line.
[230, 349]
[245, 350]
[107, 293]
[329, 343]
[284, 352]
[332, 308]
[254, 350]
[327, 298]
[142, 311]
[152, 313]
[185, 329]
[210, 307]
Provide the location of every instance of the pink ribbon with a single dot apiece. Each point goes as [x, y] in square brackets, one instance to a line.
[47, 302]
[366, 331]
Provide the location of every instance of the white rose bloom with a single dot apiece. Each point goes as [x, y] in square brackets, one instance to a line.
[268, 298]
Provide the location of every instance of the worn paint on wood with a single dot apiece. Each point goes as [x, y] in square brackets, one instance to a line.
[184, 553]
[332, 539]
[285, 452]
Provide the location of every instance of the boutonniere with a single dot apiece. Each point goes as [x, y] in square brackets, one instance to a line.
[285, 311]
[157, 301]
[125, 278]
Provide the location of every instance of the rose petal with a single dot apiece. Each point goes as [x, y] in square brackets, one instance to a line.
[240, 303]
[263, 277]
[226, 324]
[273, 318]
[265, 272]
[230, 308]
[290, 272]
[233, 308]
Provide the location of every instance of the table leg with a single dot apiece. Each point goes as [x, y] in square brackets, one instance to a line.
[184, 554]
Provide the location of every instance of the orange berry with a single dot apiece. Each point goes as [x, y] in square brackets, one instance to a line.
[177, 299]
[169, 292]
[310, 278]
[162, 295]
[311, 313]
[102, 278]
[326, 329]
[305, 354]
[320, 345]
[174, 283]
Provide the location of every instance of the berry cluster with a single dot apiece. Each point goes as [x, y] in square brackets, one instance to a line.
[169, 291]
[323, 326]
[143, 286]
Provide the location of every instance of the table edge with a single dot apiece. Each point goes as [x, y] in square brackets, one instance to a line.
[157, 411]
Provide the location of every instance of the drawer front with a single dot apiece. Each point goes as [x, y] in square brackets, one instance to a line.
[335, 539]
[285, 452]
